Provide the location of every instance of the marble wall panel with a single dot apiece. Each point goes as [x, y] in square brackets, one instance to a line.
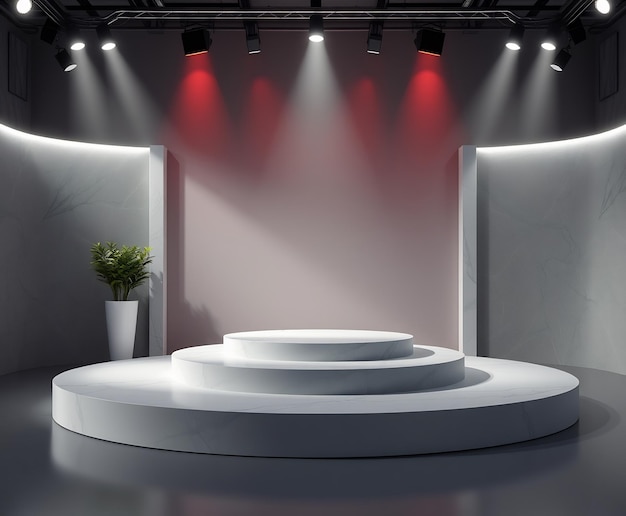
[467, 250]
[551, 252]
[56, 199]
[157, 225]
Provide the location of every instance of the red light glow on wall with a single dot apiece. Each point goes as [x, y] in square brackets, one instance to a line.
[262, 116]
[367, 117]
[201, 122]
[427, 122]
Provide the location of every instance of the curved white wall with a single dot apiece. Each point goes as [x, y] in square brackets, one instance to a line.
[56, 199]
[551, 251]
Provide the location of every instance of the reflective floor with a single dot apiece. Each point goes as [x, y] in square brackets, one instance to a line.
[47, 470]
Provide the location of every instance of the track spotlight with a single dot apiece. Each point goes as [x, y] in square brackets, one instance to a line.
[514, 42]
[49, 31]
[603, 6]
[577, 32]
[551, 38]
[253, 40]
[429, 41]
[23, 6]
[561, 60]
[375, 37]
[316, 28]
[105, 38]
[75, 39]
[196, 41]
[65, 60]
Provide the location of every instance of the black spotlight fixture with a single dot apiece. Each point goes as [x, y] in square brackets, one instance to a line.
[196, 41]
[75, 39]
[429, 41]
[514, 41]
[316, 28]
[49, 31]
[253, 40]
[561, 60]
[375, 37]
[551, 38]
[576, 31]
[104, 36]
[65, 60]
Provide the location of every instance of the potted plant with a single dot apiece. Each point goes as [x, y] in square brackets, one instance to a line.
[123, 269]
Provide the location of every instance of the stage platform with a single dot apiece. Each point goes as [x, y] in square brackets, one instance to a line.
[176, 403]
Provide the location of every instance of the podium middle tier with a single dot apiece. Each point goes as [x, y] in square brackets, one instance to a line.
[212, 367]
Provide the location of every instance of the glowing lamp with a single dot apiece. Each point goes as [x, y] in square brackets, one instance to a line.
[316, 28]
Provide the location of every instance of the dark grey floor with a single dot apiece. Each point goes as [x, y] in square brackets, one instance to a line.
[46, 470]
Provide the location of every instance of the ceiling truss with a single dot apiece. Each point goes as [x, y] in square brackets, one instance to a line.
[158, 14]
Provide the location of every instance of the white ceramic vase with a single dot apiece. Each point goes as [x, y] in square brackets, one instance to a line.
[121, 325]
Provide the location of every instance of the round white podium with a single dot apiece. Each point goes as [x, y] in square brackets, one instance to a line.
[205, 401]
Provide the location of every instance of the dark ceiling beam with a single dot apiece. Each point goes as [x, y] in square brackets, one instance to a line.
[53, 10]
[481, 4]
[88, 8]
[538, 7]
[146, 4]
[574, 9]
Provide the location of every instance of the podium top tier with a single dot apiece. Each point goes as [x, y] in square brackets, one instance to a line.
[318, 345]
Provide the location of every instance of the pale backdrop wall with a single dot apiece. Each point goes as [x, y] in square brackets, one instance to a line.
[311, 187]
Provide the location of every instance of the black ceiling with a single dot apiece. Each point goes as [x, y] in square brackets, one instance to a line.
[294, 14]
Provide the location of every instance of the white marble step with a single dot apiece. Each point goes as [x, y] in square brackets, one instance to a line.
[210, 367]
[318, 345]
[138, 402]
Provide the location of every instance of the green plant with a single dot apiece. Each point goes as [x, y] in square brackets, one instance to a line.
[123, 269]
